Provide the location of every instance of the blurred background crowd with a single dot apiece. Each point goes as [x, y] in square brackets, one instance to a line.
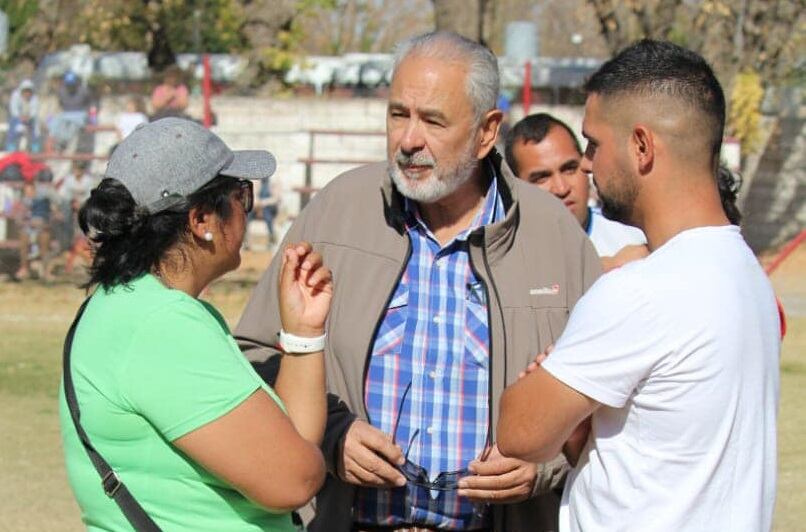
[307, 79]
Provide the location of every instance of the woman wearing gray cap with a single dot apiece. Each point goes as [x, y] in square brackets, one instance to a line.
[165, 425]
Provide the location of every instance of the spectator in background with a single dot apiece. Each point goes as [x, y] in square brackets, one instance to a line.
[33, 215]
[76, 186]
[23, 117]
[544, 151]
[75, 101]
[73, 190]
[267, 204]
[133, 116]
[170, 98]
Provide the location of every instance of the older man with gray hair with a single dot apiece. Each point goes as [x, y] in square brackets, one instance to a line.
[450, 275]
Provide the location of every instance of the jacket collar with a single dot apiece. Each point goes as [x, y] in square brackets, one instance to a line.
[497, 237]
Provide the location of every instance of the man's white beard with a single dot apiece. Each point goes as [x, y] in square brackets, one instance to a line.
[441, 183]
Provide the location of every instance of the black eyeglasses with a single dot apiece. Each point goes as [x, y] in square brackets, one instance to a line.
[418, 475]
[246, 194]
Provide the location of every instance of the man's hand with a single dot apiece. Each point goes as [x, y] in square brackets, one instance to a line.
[576, 442]
[498, 479]
[367, 458]
[625, 255]
[536, 362]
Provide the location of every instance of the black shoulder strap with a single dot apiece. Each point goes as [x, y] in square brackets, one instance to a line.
[113, 487]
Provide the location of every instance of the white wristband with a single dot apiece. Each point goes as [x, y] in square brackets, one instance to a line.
[292, 344]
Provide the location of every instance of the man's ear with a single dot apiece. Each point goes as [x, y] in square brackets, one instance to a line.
[642, 146]
[200, 222]
[488, 132]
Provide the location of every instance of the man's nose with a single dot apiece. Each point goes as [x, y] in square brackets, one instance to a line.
[559, 186]
[412, 139]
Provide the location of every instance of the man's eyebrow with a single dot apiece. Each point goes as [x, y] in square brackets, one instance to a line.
[570, 164]
[426, 112]
[432, 113]
[537, 174]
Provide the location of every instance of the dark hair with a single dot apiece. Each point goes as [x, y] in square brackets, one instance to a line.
[650, 67]
[128, 241]
[534, 128]
[729, 185]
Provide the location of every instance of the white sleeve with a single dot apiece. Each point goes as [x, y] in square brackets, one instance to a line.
[613, 339]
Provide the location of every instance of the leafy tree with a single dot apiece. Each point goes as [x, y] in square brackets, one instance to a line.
[371, 26]
[751, 36]
[163, 28]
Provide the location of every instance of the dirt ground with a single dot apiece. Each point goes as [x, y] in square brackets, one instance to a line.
[34, 494]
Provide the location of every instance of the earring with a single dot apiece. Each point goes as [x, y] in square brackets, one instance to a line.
[208, 236]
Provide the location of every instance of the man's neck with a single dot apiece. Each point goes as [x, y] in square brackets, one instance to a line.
[451, 215]
[681, 209]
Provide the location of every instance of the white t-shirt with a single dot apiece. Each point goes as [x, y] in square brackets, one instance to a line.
[609, 237]
[682, 351]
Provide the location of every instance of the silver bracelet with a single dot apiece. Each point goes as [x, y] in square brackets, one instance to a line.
[292, 344]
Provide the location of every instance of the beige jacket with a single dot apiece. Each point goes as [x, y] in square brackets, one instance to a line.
[534, 264]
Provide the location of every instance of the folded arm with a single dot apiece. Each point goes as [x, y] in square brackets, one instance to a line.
[538, 434]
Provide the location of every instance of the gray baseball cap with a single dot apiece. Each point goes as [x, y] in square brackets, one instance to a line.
[161, 163]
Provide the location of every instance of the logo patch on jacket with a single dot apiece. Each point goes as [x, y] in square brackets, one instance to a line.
[552, 290]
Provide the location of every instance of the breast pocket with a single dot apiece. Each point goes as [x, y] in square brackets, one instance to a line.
[390, 334]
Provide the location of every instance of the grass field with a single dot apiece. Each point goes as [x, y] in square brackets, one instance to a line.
[34, 494]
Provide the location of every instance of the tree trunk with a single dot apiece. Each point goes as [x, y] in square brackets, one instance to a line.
[470, 18]
[160, 54]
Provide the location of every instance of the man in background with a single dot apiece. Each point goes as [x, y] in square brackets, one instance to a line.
[544, 151]
[23, 117]
[75, 101]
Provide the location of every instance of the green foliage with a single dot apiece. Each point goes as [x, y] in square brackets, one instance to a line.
[19, 13]
[744, 116]
[127, 25]
[275, 58]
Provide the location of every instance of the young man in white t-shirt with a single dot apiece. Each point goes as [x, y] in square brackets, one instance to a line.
[675, 356]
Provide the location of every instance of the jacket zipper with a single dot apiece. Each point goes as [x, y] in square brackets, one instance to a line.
[368, 356]
[489, 328]
[486, 263]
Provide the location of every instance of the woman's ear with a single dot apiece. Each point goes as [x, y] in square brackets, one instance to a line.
[200, 223]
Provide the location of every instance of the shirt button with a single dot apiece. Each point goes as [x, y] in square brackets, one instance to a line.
[433, 374]
[430, 430]
[437, 319]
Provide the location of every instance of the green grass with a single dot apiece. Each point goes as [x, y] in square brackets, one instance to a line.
[34, 494]
[790, 511]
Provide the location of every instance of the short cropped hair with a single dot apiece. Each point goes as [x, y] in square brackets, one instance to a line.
[482, 77]
[649, 67]
[534, 128]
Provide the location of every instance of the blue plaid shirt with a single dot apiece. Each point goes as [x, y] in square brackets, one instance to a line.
[435, 337]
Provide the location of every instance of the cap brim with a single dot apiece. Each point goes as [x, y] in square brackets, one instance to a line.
[250, 164]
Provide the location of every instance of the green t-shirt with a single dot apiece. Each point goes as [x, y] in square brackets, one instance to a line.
[149, 365]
